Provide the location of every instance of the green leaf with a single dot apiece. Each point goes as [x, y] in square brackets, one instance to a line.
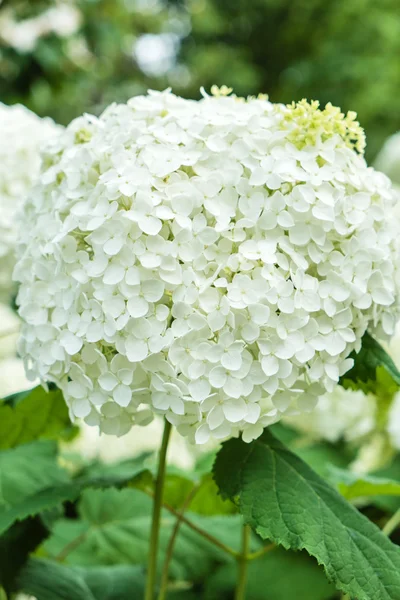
[280, 572]
[30, 481]
[57, 491]
[353, 485]
[176, 489]
[391, 471]
[114, 528]
[371, 358]
[33, 415]
[208, 501]
[115, 473]
[27, 469]
[288, 503]
[47, 580]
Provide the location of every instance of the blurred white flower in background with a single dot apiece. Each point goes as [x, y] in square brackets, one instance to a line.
[63, 19]
[388, 159]
[340, 415]
[90, 444]
[156, 54]
[21, 135]
[393, 426]
[12, 372]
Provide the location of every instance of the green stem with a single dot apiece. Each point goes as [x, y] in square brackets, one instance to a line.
[261, 552]
[393, 522]
[207, 536]
[61, 556]
[155, 524]
[240, 593]
[170, 549]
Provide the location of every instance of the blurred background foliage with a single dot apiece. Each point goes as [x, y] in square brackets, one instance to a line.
[63, 58]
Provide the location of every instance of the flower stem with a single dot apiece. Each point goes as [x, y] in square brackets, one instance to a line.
[240, 593]
[207, 536]
[171, 544]
[155, 525]
[261, 552]
[393, 522]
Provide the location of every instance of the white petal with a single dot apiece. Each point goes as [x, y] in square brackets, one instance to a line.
[253, 412]
[199, 389]
[150, 225]
[215, 417]
[113, 246]
[107, 381]
[113, 274]
[136, 350]
[235, 410]
[137, 307]
[217, 377]
[122, 395]
[202, 434]
[270, 365]
[152, 289]
[70, 342]
[259, 313]
[81, 408]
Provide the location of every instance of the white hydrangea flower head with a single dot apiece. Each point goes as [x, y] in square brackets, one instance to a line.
[214, 262]
[21, 134]
[339, 415]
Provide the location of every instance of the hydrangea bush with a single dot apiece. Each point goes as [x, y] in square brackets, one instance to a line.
[22, 134]
[214, 262]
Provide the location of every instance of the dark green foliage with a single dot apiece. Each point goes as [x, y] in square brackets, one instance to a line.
[47, 580]
[16, 545]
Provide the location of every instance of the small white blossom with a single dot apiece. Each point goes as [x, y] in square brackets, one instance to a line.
[215, 262]
[21, 134]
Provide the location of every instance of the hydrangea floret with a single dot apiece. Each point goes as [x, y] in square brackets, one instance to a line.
[213, 261]
[21, 134]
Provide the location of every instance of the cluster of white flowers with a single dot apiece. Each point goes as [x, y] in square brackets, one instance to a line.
[214, 262]
[21, 134]
[63, 20]
[339, 415]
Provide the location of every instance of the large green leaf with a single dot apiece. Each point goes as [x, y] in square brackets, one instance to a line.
[371, 358]
[115, 473]
[26, 470]
[33, 415]
[285, 501]
[279, 575]
[353, 485]
[30, 481]
[45, 494]
[47, 580]
[114, 528]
